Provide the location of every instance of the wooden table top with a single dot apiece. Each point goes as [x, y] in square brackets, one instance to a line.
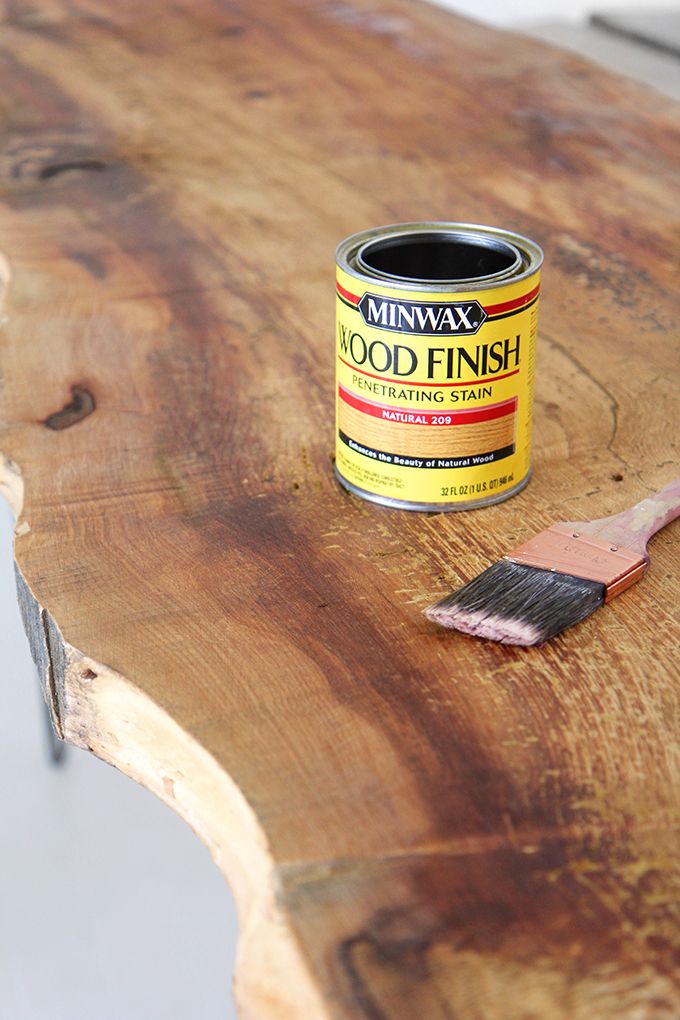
[415, 824]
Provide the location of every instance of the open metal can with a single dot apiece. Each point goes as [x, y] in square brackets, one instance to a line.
[435, 353]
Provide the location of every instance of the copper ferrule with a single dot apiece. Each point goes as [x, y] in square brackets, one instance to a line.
[565, 551]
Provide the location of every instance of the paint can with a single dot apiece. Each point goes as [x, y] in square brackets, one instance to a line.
[435, 352]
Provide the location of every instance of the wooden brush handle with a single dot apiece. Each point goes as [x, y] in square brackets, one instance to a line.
[634, 527]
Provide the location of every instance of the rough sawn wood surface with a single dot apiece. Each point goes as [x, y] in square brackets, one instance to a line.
[415, 824]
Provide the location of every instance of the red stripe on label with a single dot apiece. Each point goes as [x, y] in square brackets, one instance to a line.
[409, 416]
[508, 306]
[354, 298]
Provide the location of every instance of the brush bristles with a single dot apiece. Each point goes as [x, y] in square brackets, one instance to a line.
[518, 605]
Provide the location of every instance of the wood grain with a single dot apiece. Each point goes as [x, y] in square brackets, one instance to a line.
[415, 824]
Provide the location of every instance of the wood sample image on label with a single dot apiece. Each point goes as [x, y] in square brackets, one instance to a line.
[435, 349]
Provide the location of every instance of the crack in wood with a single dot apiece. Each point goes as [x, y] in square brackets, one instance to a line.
[54, 169]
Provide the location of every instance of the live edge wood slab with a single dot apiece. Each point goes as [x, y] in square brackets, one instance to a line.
[416, 825]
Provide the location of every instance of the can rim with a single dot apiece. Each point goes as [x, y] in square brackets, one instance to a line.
[429, 236]
[349, 254]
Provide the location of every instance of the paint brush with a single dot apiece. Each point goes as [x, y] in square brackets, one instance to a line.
[560, 576]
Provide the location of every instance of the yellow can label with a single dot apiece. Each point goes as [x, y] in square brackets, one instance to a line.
[434, 392]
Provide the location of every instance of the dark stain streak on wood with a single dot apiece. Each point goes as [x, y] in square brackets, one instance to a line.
[79, 407]
[410, 723]
[89, 260]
